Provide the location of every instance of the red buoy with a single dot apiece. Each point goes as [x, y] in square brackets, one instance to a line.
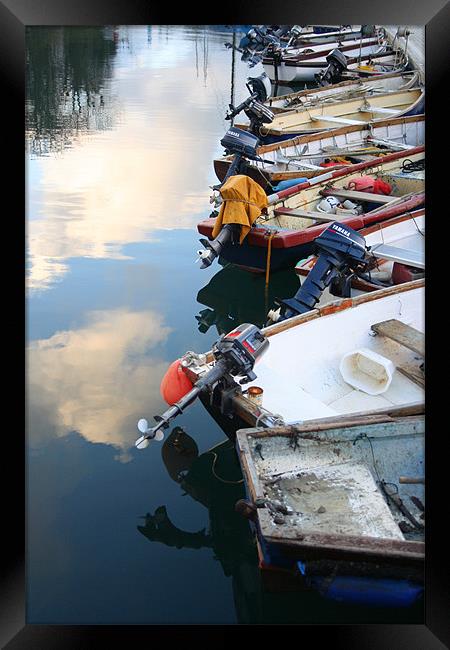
[174, 384]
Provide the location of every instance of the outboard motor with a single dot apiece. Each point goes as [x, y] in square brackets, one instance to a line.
[337, 63]
[243, 145]
[341, 252]
[260, 89]
[257, 41]
[236, 354]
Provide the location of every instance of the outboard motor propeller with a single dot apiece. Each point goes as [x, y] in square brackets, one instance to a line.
[341, 251]
[236, 354]
[337, 63]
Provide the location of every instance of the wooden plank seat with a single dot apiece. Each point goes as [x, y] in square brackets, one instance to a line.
[358, 196]
[402, 333]
[410, 338]
[397, 254]
[330, 118]
[378, 109]
[304, 214]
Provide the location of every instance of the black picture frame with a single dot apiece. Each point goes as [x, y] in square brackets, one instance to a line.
[15, 15]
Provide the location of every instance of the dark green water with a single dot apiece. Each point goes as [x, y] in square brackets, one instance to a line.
[122, 127]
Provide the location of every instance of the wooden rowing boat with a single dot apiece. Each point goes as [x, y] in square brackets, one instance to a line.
[348, 89]
[303, 156]
[335, 36]
[347, 112]
[300, 373]
[340, 502]
[292, 221]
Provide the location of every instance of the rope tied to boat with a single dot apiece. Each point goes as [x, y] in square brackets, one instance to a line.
[243, 201]
[269, 254]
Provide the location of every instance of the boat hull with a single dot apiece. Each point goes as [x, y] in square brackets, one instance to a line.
[375, 564]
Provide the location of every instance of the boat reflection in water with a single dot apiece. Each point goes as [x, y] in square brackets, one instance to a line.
[213, 479]
[235, 296]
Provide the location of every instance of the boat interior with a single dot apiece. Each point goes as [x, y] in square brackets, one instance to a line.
[345, 480]
[302, 372]
[304, 211]
[348, 112]
[298, 100]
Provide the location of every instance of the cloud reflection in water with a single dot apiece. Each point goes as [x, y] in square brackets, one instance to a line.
[96, 379]
[149, 173]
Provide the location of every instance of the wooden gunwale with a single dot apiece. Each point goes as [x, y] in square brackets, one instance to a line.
[304, 139]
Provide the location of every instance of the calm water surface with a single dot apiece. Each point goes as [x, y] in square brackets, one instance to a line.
[122, 127]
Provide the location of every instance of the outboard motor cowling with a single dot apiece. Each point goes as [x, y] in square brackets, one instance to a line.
[337, 63]
[238, 141]
[260, 86]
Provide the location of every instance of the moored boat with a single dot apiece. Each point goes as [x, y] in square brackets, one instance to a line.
[352, 46]
[347, 89]
[349, 356]
[347, 112]
[340, 503]
[371, 60]
[307, 155]
[292, 220]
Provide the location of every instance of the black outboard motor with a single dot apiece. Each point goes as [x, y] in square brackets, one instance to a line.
[341, 252]
[337, 63]
[243, 144]
[257, 41]
[260, 89]
[236, 354]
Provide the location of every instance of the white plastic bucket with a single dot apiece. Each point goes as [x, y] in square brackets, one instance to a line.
[367, 371]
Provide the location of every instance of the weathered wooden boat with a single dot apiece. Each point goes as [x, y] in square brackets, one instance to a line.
[285, 232]
[304, 156]
[345, 33]
[398, 249]
[347, 112]
[340, 502]
[382, 58]
[349, 47]
[374, 340]
[347, 89]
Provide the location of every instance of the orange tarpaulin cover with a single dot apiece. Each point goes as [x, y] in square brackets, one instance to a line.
[243, 202]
